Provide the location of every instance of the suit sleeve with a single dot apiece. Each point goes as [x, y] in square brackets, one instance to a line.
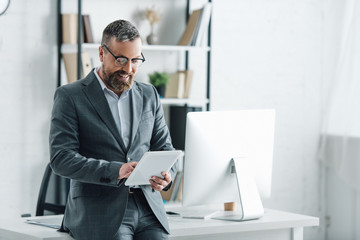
[64, 147]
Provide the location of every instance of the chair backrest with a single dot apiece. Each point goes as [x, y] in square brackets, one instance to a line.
[60, 189]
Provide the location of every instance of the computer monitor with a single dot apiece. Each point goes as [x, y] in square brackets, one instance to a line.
[212, 140]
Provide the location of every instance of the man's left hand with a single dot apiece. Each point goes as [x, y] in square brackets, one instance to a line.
[158, 183]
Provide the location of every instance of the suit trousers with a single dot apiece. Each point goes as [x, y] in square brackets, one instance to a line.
[139, 222]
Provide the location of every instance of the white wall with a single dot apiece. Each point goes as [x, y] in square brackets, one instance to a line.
[268, 54]
[27, 79]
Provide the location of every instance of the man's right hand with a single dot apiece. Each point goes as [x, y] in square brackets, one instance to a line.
[126, 169]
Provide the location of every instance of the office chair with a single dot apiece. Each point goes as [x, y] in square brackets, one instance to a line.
[60, 187]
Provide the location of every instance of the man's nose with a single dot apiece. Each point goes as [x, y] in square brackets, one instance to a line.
[127, 67]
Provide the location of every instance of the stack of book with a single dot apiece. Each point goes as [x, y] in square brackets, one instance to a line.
[196, 26]
[70, 62]
[70, 36]
[70, 28]
[179, 84]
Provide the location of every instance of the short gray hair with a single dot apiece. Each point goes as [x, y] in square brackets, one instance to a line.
[122, 30]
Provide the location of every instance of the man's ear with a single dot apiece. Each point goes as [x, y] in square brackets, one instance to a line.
[101, 53]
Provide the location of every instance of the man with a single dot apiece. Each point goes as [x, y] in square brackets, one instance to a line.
[101, 126]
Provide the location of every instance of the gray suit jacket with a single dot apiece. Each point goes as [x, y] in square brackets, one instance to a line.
[86, 147]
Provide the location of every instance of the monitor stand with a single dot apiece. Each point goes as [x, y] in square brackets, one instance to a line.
[250, 203]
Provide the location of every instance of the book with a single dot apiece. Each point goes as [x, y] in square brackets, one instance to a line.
[176, 86]
[188, 79]
[88, 35]
[190, 29]
[70, 62]
[203, 25]
[69, 28]
[196, 26]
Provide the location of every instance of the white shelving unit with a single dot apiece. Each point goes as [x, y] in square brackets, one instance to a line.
[186, 50]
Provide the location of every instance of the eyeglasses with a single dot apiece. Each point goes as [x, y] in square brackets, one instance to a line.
[121, 61]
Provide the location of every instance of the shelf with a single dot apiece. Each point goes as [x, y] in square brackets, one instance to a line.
[68, 48]
[174, 48]
[184, 101]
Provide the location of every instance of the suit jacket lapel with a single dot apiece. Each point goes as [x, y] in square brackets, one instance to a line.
[97, 98]
[137, 109]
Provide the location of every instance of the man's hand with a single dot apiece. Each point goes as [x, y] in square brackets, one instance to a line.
[126, 169]
[159, 184]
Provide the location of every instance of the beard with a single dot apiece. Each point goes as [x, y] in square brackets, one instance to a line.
[114, 81]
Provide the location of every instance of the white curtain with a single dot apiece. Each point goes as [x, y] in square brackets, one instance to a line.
[340, 142]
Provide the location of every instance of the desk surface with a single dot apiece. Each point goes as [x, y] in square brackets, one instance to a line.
[181, 228]
[271, 220]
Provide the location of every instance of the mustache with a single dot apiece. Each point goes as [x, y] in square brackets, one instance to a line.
[119, 72]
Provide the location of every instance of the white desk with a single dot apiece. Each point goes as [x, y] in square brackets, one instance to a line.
[273, 225]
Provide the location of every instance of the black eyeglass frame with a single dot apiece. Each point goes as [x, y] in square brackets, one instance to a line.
[123, 57]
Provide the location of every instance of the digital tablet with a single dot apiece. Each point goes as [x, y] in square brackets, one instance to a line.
[152, 164]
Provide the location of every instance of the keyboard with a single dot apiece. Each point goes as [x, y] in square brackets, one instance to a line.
[198, 214]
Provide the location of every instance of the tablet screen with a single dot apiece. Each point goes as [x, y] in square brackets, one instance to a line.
[152, 164]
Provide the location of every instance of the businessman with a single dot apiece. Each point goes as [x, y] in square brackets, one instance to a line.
[101, 126]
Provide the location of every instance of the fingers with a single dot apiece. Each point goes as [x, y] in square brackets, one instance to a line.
[126, 169]
[156, 186]
[127, 174]
[133, 164]
[166, 176]
[158, 183]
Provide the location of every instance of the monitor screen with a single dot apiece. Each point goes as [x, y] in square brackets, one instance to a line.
[212, 139]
